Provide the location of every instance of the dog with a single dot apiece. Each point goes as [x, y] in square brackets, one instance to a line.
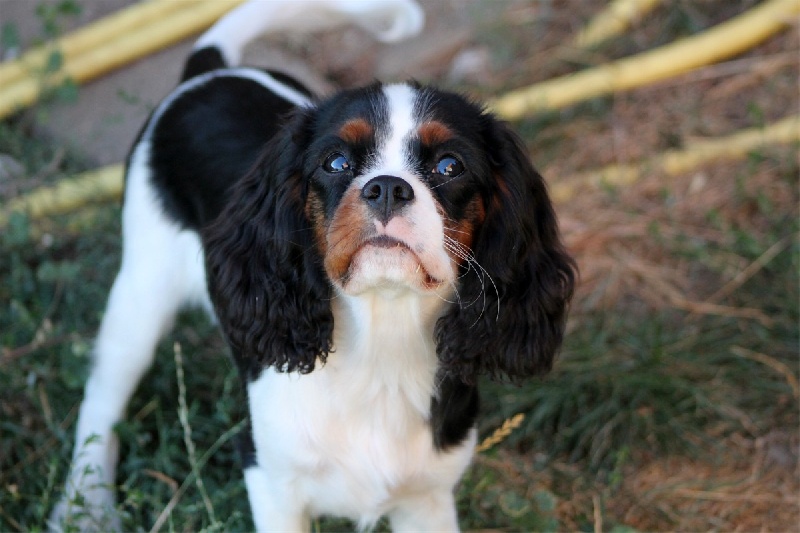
[368, 256]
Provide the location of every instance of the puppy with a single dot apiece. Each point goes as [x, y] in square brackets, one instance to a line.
[367, 256]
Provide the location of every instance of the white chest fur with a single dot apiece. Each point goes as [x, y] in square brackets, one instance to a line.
[353, 437]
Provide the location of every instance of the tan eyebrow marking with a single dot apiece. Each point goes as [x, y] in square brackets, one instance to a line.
[356, 130]
[433, 133]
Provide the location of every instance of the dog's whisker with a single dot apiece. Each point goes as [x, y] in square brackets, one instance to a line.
[446, 182]
[454, 230]
[468, 255]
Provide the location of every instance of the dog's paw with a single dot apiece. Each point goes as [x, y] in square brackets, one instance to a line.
[389, 21]
[79, 513]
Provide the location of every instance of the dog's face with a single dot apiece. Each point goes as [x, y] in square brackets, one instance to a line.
[395, 186]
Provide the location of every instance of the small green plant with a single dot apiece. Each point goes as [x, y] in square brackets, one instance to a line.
[9, 40]
[52, 15]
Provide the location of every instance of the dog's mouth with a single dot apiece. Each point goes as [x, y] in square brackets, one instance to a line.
[384, 241]
[384, 259]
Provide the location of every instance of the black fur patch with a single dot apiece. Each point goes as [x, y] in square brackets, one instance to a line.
[453, 413]
[202, 61]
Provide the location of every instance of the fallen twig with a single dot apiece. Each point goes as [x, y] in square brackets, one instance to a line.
[751, 270]
[722, 497]
[773, 363]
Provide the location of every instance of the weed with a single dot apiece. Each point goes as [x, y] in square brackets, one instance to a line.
[9, 41]
[52, 15]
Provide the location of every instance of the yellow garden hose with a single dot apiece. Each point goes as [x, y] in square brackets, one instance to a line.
[722, 41]
[68, 195]
[674, 162]
[93, 35]
[617, 17]
[168, 28]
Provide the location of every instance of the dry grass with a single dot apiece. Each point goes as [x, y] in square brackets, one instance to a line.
[680, 243]
[753, 489]
[618, 235]
[756, 491]
[619, 238]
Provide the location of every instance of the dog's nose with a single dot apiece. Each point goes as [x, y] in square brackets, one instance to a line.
[386, 195]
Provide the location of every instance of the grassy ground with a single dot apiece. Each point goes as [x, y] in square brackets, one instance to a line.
[673, 406]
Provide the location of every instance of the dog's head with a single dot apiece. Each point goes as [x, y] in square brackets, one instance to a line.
[401, 186]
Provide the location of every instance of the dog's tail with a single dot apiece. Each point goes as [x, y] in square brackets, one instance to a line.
[221, 46]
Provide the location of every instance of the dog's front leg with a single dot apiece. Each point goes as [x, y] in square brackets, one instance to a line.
[273, 509]
[427, 512]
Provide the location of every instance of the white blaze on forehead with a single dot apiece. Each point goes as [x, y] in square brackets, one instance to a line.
[393, 153]
[418, 225]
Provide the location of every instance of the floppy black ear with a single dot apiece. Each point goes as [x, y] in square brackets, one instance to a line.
[510, 316]
[264, 273]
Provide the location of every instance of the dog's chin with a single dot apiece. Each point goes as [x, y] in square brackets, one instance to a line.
[388, 264]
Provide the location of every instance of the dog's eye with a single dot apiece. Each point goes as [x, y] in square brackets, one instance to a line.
[448, 166]
[336, 163]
